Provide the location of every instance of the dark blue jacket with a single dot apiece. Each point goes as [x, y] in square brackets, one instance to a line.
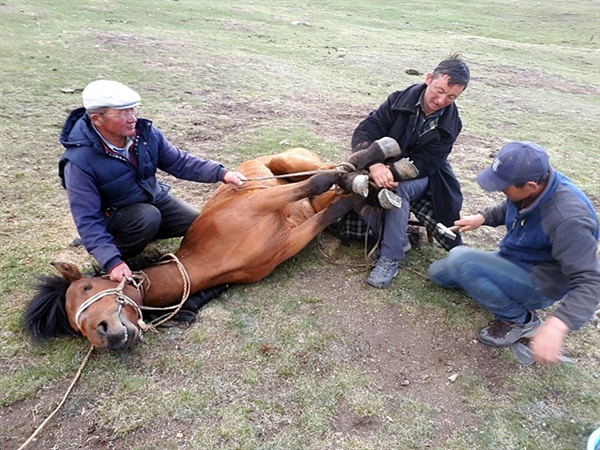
[396, 118]
[96, 179]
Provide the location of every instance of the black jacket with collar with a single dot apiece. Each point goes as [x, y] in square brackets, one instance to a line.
[396, 118]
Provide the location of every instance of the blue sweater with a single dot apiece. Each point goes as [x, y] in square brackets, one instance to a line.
[556, 239]
[96, 179]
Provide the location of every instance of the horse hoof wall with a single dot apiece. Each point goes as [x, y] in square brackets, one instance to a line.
[388, 199]
[360, 185]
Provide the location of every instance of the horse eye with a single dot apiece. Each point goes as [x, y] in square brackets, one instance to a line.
[87, 287]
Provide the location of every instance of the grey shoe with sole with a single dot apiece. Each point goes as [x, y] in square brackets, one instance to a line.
[383, 273]
[504, 334]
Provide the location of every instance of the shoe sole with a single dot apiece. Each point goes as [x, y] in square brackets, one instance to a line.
[526, 335]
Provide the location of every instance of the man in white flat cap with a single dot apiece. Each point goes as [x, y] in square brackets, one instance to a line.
[109, 171]
[549, 254]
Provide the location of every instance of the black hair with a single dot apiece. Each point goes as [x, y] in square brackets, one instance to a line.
[455, 69]
[543, 180]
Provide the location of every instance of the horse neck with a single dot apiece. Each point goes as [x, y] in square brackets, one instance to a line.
[165, 284]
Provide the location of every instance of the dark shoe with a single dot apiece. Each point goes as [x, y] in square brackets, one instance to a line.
[383, 273]
[77, 242]
[504, 334]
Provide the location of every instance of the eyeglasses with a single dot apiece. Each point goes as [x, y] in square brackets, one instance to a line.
[123, 113]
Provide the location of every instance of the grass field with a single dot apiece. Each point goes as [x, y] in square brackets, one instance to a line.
[310, 357]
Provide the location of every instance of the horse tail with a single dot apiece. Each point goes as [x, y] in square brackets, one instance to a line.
[46, 316]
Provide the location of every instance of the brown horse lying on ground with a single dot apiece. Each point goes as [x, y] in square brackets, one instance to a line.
[240, 237]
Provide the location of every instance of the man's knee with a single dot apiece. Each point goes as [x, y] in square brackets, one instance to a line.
[139, 218]
[458, 259]
[461, 253]
[133, 227]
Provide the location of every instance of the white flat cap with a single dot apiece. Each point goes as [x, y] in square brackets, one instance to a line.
[109, 94]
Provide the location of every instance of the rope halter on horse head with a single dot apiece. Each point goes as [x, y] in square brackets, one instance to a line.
[122, 300]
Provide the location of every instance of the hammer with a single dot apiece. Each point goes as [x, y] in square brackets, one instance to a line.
[448, 232]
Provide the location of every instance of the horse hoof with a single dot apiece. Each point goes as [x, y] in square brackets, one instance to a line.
[355, 182]
[389, 146]
[360, 185]
[388, 199]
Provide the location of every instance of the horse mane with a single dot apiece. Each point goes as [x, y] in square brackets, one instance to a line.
[46, 315]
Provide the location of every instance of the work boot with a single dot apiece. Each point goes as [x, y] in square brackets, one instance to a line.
[77, 242]
[504, 334]
[383, 273]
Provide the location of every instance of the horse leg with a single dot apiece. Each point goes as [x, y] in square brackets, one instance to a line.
[281, 196]
[294, 160]
[301, 235]
[189, 310]
[355, 182]
[378, 151]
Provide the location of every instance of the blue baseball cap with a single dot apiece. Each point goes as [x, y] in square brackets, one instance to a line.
[516, 162]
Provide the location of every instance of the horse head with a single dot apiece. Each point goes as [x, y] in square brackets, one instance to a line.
[103, 311]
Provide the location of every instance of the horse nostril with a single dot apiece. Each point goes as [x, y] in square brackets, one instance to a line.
[102, 328]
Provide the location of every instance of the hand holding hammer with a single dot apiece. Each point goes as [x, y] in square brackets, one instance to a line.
[464, 224]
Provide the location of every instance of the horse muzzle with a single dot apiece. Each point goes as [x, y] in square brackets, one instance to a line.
[119, 337]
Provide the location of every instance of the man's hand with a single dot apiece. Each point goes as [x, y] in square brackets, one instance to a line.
[234, 179]
[547, 343]
[470, 222]
[382, 176]
[119, 272]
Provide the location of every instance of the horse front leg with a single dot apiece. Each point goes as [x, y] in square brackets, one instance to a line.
[378, 151]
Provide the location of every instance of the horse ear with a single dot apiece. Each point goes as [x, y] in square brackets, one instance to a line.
[69, 271]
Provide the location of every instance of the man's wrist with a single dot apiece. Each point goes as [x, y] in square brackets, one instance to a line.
[558, 325]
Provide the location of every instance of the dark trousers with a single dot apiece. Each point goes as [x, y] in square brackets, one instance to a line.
[133, 227]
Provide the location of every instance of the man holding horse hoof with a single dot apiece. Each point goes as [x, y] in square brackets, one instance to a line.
[109, 171]
[425, 123]
[549, 254]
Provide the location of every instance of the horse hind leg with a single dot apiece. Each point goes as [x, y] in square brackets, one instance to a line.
[279, 196]
[301, 235]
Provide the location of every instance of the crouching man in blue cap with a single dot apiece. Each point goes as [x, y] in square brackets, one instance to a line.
[109, 170]
[549, 253]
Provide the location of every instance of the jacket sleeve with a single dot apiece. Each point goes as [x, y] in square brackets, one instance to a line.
[575, 248]
[86, 208]
[375, 126]
[495, 215]
[184, 165]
